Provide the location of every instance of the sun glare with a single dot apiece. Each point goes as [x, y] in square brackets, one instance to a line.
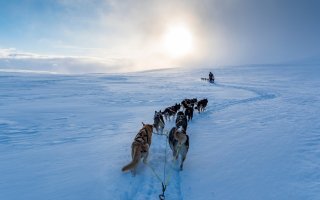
[178, 41]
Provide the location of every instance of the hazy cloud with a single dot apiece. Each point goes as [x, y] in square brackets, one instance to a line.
[129, 33]
[10, 59]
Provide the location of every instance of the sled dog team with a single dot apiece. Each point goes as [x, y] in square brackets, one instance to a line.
[178, 138]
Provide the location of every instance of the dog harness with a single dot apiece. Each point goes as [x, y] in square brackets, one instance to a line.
[140, 138]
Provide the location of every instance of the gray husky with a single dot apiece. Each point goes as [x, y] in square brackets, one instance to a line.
[158, 121]
[179, 144]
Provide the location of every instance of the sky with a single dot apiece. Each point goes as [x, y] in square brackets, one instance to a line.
[126, 35]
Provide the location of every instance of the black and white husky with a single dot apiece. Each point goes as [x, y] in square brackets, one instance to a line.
[171, 111]
[158, 121]
[179, 144]
[201, 105]
[189, 113]
[181, 121]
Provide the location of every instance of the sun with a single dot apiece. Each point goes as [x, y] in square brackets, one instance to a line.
[178, 41]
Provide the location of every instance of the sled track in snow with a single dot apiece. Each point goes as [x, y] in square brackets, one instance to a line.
[261, 95]
[309, 153]
[149, 186]
[145, 185]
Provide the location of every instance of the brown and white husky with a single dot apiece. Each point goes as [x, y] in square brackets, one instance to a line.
[140, 147]
[179, 144]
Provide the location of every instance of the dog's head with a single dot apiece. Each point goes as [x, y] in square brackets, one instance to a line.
[178, 106]
[180, 113]
[148, 127]
[156, 114]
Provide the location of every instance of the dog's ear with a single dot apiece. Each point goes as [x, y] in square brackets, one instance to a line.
[143, 124]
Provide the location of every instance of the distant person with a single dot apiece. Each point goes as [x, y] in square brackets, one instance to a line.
[211, 77]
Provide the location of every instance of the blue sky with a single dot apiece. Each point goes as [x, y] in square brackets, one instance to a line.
[34, 25]
[126, 32]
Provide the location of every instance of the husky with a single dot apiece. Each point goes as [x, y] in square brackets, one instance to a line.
[179, 144]
[201, 105]
[189, 113]
[179, 115]
[181, 121]
[140, 148]
[158, 122]
[188, 103]
[168, 112]
[171, 111]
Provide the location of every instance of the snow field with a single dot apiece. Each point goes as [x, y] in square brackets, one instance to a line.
[67, 136]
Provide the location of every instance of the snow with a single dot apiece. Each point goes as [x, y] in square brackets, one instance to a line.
[68, 136]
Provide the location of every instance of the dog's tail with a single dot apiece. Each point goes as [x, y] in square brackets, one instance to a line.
[134, 162]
